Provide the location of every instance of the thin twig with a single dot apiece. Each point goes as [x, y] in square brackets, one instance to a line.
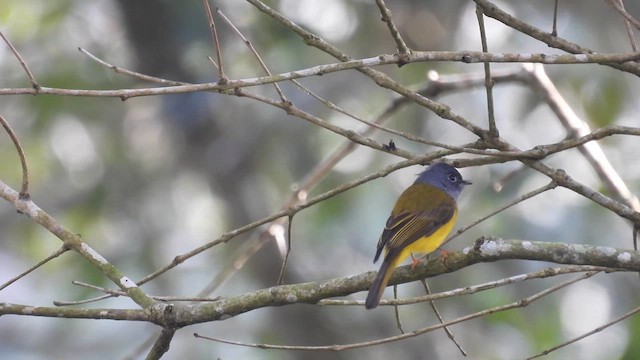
[587, 334]
[54, 255]
[215, 64]
[403, 49]
[492, 10]
[293, 110]
[83, 301]
[554, 30]
[253, 51]
[437, 312]
[216, 42]
[288, 251]
[396, 310]
[550, 186]
[155, 297]
[619, 5]
[405, 135]
[32, 79]
[24, 190]
[473, 289]
[133, 74]
[488, 82]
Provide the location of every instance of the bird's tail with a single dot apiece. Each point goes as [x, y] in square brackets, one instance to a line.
[380, 282]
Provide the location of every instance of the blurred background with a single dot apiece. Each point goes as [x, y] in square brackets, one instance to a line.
[150, 178]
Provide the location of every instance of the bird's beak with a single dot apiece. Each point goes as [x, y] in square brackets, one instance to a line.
[467, 182]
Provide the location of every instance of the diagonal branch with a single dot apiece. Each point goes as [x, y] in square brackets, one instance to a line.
[587, 334]
[403, 49]
[576, 127]
[488, 81]
[161, 345]
[74, 242]
[24, 190]
[493, 11]
[32, 79]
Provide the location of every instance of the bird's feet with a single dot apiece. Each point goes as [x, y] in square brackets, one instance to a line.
[416, 260]
[444, 254]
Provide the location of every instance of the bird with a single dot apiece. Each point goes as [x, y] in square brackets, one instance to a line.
[421, 219]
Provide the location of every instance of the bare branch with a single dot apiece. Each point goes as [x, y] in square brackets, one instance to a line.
[75, 313]
[134, 74]
[619, 6]
[32, 79]
[522, 303]
[161, 346]
[54, 255]
[628, 20]
[403, 49]
[216, 42]
[550, 186]
[253, 51]
[24, 190]
[485, 250]
[488, 82]
[437, 312]
[473, 289]
[287, 251]
[384, 81]
[73, 241]
[594, 331]
[576, 128]
[493, 11]
[554, 30]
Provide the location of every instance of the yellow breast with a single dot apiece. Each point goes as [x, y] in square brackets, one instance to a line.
[427, 245]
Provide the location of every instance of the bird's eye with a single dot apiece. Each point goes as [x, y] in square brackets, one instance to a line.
[452, 178]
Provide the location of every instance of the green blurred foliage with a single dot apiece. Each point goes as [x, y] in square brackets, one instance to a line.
[603, 107]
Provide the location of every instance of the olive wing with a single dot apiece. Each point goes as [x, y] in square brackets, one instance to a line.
[405, 228]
